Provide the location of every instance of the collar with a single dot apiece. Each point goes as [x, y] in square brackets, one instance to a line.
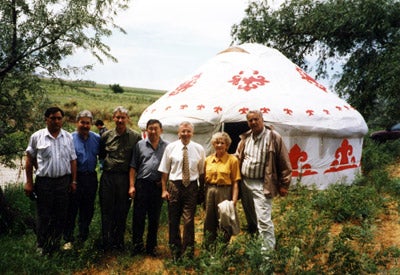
[223, 159]
[255, 138]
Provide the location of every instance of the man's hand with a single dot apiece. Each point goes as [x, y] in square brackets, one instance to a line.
[73, 187]
[28, 189]
[165, 195]
[132, 192]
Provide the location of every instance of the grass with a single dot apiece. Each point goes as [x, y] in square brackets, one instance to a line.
[335, 231]
[100, 100]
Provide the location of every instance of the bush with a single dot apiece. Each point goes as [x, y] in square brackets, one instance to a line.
[116, 89]
[349, 203]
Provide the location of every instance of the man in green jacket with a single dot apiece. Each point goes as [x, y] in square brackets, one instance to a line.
[116, 148]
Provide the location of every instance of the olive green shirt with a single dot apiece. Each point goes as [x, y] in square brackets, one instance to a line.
[116, 150]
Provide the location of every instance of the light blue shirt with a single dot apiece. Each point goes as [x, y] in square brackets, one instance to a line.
[86, 151]
[146, 160]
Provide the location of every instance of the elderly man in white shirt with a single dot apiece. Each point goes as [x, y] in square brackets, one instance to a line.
[182, 193]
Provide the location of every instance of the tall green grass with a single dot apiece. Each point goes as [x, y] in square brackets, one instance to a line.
[333, 231]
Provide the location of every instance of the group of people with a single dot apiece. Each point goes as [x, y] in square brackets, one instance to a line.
[149, 171]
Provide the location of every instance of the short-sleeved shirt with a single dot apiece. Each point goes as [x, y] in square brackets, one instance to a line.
[146, 159]
[53, 155]
[116, 150]
[255, 152]
[87, 151]
[222, 171]
[172, 160]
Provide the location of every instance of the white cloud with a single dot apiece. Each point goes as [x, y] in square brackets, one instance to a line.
[166, 40]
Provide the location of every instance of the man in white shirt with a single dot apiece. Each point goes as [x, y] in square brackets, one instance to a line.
[182, 196]
[51, 152]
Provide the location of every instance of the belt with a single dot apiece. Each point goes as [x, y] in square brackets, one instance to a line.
[180, 182]
[219, 184]
[54, 178]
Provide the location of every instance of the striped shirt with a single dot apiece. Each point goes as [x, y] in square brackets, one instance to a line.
[255, 152]
[53, 155]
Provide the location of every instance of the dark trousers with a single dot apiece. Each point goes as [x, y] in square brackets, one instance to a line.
[52, 204]
[148, 202]
[82, 201]
[114, 204]
[182, 204]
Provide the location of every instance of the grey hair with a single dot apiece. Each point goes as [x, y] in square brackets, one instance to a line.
[121, 110]
[258, 112]
[186, 123]
[84, 113]
[222, 135]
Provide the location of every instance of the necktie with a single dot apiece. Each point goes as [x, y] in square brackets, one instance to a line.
[185, 167]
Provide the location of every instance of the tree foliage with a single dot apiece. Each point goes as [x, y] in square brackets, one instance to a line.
[116, 88]
[360, 39]
[35, 37]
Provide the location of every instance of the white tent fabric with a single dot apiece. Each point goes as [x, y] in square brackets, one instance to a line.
[323, 133]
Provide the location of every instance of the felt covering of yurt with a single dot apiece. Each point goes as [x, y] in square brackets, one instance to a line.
[323, 133]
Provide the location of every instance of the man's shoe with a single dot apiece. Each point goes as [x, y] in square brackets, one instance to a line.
[67, 246]
[39, 251]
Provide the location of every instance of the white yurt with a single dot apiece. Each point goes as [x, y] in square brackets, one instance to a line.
[323, 133]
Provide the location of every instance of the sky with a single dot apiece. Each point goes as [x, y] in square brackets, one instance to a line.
[166, 41]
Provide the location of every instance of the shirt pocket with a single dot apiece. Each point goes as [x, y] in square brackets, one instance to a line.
[44, 150]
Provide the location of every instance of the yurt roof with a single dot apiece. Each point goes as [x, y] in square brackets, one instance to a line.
[253, 76]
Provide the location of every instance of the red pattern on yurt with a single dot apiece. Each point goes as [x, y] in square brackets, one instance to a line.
[309, 79]
[186, 85]
[344, 158]
[298, 160]
[247, 83]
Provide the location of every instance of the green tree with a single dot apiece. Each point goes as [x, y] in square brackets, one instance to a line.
[361, 37]
[116, 88]
[35, 36]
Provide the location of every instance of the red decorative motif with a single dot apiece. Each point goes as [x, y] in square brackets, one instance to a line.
[152, 111]
[217, 109]
[248, 83]
[288, 111]
[200, 107]
[168, 107]
[243, 110]
[183, 106]
[298, 159]
[339, 108]
[344, 158]
[310, 112]
[326, 111]
[186, 85]
[264, 110]
[309, 79]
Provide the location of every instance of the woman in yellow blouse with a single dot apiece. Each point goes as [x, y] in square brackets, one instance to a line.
[222, 174]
